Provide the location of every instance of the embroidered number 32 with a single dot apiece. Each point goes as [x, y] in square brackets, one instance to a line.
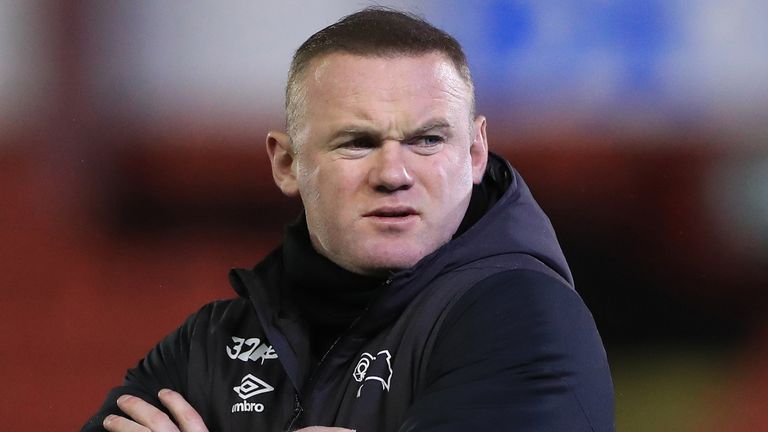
[254, 350]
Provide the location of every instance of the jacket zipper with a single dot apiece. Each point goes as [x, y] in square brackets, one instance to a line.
[297, 408]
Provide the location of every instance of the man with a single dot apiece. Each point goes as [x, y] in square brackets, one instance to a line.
[422, 288]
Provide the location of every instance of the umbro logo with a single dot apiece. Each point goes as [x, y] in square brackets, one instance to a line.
[251, 386]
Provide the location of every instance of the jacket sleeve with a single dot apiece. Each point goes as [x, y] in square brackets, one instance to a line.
[518, 352]
[165, 366]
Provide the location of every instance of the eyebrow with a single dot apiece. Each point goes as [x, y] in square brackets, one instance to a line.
[359, 130]
[354, 131]
[435, 124]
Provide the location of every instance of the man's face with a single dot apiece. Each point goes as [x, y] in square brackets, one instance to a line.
[384, 158]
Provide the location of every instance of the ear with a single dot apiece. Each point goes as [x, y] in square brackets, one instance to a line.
[478, 150]
[281, 156]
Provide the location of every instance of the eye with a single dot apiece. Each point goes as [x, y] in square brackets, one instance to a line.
[427, 144]
[356, 147]
[431, 140]
[359, 143]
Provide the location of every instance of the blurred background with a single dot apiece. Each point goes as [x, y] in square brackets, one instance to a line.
[133, 176]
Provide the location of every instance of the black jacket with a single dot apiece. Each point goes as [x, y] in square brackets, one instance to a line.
[486, 333]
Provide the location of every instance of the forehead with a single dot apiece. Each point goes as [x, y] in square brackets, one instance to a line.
[370, 86]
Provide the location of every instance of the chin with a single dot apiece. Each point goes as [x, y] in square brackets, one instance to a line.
[385, 260]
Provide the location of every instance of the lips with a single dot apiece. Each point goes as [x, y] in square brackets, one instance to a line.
[392, 212]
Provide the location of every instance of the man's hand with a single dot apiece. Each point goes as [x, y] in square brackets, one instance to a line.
[146, 418]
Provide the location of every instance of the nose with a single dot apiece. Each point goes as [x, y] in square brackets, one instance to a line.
[390, 169]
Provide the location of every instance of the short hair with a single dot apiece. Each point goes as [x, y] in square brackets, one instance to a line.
[373, 31]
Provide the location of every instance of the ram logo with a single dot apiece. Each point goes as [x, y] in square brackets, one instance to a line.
[376, 368]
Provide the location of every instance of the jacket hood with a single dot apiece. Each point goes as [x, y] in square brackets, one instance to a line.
[515, 225]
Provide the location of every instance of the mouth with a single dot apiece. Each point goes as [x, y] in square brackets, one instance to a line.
[394, 213]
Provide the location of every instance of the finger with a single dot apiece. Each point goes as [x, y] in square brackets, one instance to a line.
[113, 423]
[145, 414]
[185, 415]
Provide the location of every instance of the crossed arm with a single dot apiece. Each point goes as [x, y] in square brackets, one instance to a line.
[143, 417]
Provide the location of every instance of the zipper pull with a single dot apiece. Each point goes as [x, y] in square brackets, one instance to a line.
[297, 410]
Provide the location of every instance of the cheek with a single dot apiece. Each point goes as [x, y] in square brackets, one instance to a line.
[327, 189]
[450, 179]
[307, 173]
